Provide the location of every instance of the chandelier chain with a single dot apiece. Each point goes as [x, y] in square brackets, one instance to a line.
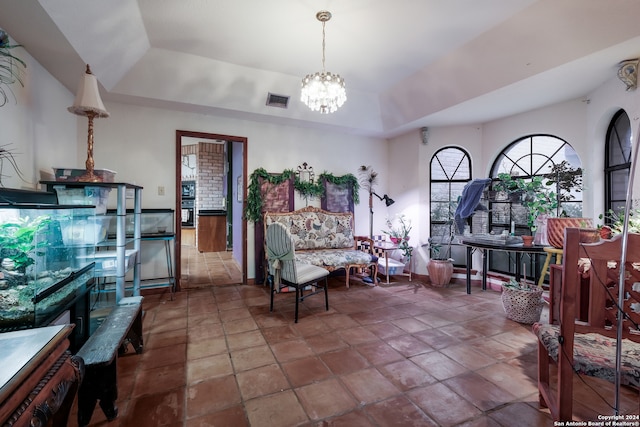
[323, 44]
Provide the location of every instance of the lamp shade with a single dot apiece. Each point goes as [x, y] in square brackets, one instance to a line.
[88, 97]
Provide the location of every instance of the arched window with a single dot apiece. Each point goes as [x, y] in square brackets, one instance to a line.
[544, 156]
[617, 162]
[450, 170]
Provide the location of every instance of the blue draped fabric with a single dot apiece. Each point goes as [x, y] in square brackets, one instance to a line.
[469, 201]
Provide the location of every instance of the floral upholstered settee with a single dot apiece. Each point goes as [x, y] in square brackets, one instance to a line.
[326, 239]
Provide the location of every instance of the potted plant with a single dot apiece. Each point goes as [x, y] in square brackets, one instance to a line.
[508, 187]
[10, 67]
[566, 180]
[398, 231]
[534, 197]
[615, 221]
[522, 302]
[440, 265]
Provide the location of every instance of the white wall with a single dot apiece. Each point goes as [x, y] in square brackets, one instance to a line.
[36, 126]
[410, 179]
[603, 104]
[139, 144]
[582, 123]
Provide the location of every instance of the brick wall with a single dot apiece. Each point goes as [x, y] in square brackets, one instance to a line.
[210, 184]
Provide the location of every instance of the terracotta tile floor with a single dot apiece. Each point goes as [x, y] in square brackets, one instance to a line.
[204, 269]
[399, 355]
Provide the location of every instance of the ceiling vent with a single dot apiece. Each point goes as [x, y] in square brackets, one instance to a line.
[279, 101]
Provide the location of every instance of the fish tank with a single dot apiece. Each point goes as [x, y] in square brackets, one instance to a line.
[46, 260]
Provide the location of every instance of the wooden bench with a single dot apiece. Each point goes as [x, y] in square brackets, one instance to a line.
[122, 326]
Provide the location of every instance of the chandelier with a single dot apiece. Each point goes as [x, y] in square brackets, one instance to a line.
[323, 91]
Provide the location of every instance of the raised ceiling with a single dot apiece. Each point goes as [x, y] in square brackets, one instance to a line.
[407, 63]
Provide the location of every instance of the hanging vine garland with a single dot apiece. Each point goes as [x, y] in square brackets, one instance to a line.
[347, 179]
[253, 211]
[308, 189]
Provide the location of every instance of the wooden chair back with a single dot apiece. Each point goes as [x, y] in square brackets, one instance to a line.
[567, 344]
[601, 263]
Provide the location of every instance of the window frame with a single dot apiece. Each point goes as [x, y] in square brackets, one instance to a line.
[435, 226]
[512, 211]
[610, 169]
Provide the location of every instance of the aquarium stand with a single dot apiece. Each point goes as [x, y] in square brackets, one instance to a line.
[124, 191]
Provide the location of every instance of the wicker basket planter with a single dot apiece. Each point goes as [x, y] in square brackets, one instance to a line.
[522, 306]
[556, 226]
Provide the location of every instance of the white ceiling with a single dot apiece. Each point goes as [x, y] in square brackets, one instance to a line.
[407, 63]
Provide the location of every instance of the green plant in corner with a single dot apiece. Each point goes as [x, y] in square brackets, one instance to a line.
[11, 67]
[506, 183]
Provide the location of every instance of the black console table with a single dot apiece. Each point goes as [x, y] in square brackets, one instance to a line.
[484, 246]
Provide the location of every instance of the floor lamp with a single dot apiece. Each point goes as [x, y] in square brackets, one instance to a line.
[387, 200]
[622, 274]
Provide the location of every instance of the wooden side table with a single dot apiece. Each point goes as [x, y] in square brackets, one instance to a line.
[384, 247]
[39, 377]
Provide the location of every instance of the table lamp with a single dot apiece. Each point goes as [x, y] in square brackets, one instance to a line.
[88, 103]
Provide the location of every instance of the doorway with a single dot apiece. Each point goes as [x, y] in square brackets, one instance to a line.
[225, 202]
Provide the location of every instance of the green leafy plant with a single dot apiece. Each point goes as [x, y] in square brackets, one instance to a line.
[565, 179]
[347, 179]
[534, 195]
[11, 67]
[506, 183]
[615, 220]
[398, 230]
[17, 240]
[253, 210]
[441, 246]
[523, 285]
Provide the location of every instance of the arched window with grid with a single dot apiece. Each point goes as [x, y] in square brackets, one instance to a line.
[544, 156]
[617, 162]
[450, 171]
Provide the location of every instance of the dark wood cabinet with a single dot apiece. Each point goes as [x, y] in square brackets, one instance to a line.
[40, 377]
[212, 232]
